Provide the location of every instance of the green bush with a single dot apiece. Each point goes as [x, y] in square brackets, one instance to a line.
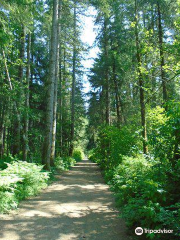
[134, 177]
[8, 185]
[164, 144]
[152, 215]
[64, 163]
[146, 187]
[164, 132]
[112, 144]
[5, 160]
[18, 181]
[142, 196]
[77, 155]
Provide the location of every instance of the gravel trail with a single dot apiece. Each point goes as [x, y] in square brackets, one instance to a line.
[79, 205]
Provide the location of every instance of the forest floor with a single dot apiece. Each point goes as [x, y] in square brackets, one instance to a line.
[79, 205]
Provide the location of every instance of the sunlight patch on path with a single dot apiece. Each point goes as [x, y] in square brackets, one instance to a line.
[77, 206]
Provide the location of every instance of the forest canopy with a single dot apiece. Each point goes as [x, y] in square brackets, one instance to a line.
[131, 126]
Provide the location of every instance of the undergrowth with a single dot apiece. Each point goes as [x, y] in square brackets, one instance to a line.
[20, 179]
[146, 186]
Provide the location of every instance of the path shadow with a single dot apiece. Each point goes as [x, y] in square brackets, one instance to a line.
[77, 206]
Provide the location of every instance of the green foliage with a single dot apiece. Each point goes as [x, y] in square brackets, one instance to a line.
[18, 181]
[8, 198]
[142, 196]
[164, 131]
[64, 163]
[112, 144]
[146, 187]
[151, 215]
[6, 159]
[164, 140]
[134, 177]
[78, 155]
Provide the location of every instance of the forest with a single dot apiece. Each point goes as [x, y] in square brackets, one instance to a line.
[128, 122]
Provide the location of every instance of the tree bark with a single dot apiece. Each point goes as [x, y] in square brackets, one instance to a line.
[62, 100]
[118, 104]
[107, 87]
[2, 132]
[21, 56]
[50, 84]
[18, 116]
[26, 122]
[141, 84]
[17, 127]
[56, 88]
[60, 103]
[161, 52]
[73, 85]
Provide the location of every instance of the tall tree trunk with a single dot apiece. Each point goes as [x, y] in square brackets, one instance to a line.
[18, 116]
[60, 102]
[17, 127]
[26, 122]
[4, 140]
[73, 85]
[118, 107]
[50, 84]
[21, 56]
[107, 87]
[141, 84]
[61, 99]
[2, 128]
[161, 52]
[56, 88]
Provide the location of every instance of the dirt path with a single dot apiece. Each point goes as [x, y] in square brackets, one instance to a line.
[78, 206]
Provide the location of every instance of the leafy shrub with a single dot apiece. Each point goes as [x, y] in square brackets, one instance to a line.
[146, 187]
[113, 143]
[18, 181]
[164, 142]
[164, 132]
[8, 184]
[141, 196]
[77, 155]
[5, 160]
[90, 153]
[134, 177]
[151, 215]
[64, 163]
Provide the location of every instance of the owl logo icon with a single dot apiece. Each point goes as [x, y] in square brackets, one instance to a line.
[138, 231]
